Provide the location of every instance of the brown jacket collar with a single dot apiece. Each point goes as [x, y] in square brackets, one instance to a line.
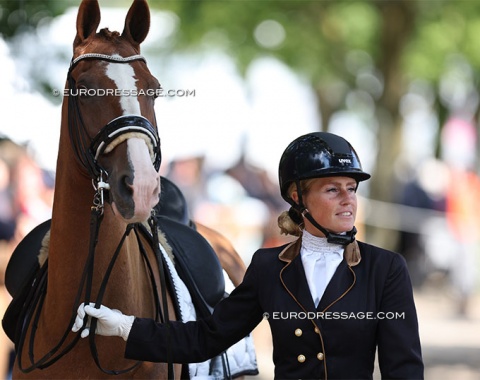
[351, 254]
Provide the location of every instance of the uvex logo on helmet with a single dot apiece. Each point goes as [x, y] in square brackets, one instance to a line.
[345, 161]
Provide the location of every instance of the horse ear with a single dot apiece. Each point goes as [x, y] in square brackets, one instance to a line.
[137, 22]
[88, 19]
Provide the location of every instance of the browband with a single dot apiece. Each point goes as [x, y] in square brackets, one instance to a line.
[111, 58]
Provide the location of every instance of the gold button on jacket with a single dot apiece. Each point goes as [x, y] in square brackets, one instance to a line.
[298, 332]
[320, 356]
[301, 358]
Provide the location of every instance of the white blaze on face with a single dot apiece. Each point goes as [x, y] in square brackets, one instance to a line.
[146, 179]
[123, 75]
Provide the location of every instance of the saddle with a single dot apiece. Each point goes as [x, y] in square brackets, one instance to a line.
[193, 254]
[22, 276]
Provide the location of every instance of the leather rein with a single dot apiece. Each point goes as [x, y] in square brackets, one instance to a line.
[87, 157]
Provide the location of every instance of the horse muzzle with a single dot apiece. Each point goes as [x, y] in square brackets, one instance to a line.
[134, 182]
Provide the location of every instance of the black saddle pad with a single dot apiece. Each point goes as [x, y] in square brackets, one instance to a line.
[24, 260]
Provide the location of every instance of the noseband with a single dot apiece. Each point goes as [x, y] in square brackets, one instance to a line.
[88, 157]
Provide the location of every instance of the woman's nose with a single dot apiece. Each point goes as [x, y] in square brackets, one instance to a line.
[347, 195]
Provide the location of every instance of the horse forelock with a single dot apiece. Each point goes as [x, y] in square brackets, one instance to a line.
[108, 34]
[115, 43]
[107, 42]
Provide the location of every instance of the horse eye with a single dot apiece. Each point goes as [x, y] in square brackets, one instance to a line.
[82, 91]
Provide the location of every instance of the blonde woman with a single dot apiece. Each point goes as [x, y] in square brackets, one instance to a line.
[331, 302]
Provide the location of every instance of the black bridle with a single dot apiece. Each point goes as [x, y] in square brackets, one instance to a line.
[87, 152]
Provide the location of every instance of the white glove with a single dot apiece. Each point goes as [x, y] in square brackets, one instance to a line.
[111, 322]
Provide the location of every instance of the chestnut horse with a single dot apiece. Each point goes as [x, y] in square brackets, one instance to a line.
[110, 141]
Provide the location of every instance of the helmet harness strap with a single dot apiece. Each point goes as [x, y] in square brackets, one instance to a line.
[333, 238]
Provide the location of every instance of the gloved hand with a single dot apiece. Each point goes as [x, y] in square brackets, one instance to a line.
[111, 322]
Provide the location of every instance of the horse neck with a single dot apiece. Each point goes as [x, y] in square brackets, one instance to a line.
[70, 239]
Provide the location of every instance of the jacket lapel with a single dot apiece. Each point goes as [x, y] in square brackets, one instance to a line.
[340, 284]
[294, 280]
[293, 276]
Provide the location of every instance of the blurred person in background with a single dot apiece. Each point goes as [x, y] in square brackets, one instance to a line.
[26, 199]
[33, 200]
[7, 231]
[459, 150]
[330, 300]
[423, 190]
[7, 220]
[463, 217]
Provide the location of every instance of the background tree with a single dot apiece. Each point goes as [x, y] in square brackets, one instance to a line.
[23, 16]
[360, 54]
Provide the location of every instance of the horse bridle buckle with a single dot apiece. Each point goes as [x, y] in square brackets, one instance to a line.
[100, 186]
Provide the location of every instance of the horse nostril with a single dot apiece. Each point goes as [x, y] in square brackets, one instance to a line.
[156, 190]
[126, 188]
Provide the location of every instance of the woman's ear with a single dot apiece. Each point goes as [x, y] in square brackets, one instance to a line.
[294, 196]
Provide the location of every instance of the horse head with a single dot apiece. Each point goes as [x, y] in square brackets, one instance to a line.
[111, 118]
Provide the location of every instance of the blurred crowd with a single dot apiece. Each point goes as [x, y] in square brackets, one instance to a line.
[26, 196]
[435, 215]
[440, 234]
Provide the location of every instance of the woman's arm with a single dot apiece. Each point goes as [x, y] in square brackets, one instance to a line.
[196, 341]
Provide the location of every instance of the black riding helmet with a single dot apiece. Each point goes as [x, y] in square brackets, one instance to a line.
[315, 155]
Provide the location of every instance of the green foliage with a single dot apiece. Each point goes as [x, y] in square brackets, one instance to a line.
[443, 29]
[328, 42]
[318, 34]
[17, 16]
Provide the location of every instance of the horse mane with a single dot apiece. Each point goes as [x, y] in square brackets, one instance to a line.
[43, 254]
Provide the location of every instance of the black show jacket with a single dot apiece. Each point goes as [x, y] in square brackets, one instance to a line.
[368, 304]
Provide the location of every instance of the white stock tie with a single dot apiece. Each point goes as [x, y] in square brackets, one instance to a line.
[319, 276]
[320, 260]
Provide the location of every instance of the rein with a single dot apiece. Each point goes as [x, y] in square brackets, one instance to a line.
[37, 299]
[87, 157]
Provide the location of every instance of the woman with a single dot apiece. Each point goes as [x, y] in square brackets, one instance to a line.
[330, 300]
